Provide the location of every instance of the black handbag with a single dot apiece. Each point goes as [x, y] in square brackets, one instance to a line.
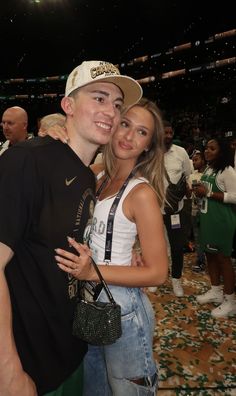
[96, 322]
[174, 194]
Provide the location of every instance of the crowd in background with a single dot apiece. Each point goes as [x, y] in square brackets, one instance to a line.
[205, 206]
[190, 116]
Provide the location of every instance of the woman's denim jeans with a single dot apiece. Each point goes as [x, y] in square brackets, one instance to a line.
[109, 370]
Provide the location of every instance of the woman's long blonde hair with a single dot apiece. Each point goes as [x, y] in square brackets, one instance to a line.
[150, 164]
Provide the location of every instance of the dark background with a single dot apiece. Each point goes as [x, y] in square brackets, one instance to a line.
[39, 40]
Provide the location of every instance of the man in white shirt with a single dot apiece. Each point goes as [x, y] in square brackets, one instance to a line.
[178, 167]
[232, 136]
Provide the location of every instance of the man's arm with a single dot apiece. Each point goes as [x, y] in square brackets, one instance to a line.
[13, 380]
[187, 167]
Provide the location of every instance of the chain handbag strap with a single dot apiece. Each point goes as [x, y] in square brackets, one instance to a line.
[111, 216]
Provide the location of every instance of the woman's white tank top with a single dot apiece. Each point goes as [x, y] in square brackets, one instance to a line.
[124, 230]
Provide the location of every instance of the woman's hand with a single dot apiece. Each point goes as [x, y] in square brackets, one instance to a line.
[80, 266]
[56, 132]
[200, 190]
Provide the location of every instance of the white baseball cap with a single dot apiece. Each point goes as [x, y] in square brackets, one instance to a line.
[97, 71]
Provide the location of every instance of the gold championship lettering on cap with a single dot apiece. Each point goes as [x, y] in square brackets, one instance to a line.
[95, 71]
[108, 68]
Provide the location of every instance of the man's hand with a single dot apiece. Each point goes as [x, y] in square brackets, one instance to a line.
[136, 260]
[21, 385]
[57, 132]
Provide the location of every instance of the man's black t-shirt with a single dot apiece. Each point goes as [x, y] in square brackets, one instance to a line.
[46, 194]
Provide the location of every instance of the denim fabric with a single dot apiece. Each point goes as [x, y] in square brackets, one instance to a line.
[109, 369]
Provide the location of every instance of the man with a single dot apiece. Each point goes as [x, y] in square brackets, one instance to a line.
[14, 126]
[178, 167]
[232, 136]
[47, 193]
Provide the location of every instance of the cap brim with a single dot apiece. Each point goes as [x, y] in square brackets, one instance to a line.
[131, 89]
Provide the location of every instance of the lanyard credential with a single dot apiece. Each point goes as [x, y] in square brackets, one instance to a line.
[111, 216]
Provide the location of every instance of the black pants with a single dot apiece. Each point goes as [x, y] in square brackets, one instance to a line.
[177, 240]
[234, 246]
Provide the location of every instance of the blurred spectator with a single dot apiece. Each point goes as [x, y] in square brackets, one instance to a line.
[178, 167]
[217, 225]
[50, 120]
[231, 135]
[14, 125]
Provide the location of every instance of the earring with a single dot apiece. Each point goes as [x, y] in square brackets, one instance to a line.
[146, 150]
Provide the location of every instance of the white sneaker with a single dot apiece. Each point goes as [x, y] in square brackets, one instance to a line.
[177, 287]
[227, 308]
[211, 296]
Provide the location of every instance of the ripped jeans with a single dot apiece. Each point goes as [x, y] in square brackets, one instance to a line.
[126, 367]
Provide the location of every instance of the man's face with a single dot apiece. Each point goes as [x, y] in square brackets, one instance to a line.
[14, 126]
[95, 112]
[168, 136]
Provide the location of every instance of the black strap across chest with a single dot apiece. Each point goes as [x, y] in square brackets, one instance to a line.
[111, 215]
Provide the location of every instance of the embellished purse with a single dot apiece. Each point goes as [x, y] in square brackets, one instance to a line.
[96, 322]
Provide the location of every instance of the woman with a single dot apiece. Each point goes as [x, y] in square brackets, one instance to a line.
[217, 225]
[127, 367]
